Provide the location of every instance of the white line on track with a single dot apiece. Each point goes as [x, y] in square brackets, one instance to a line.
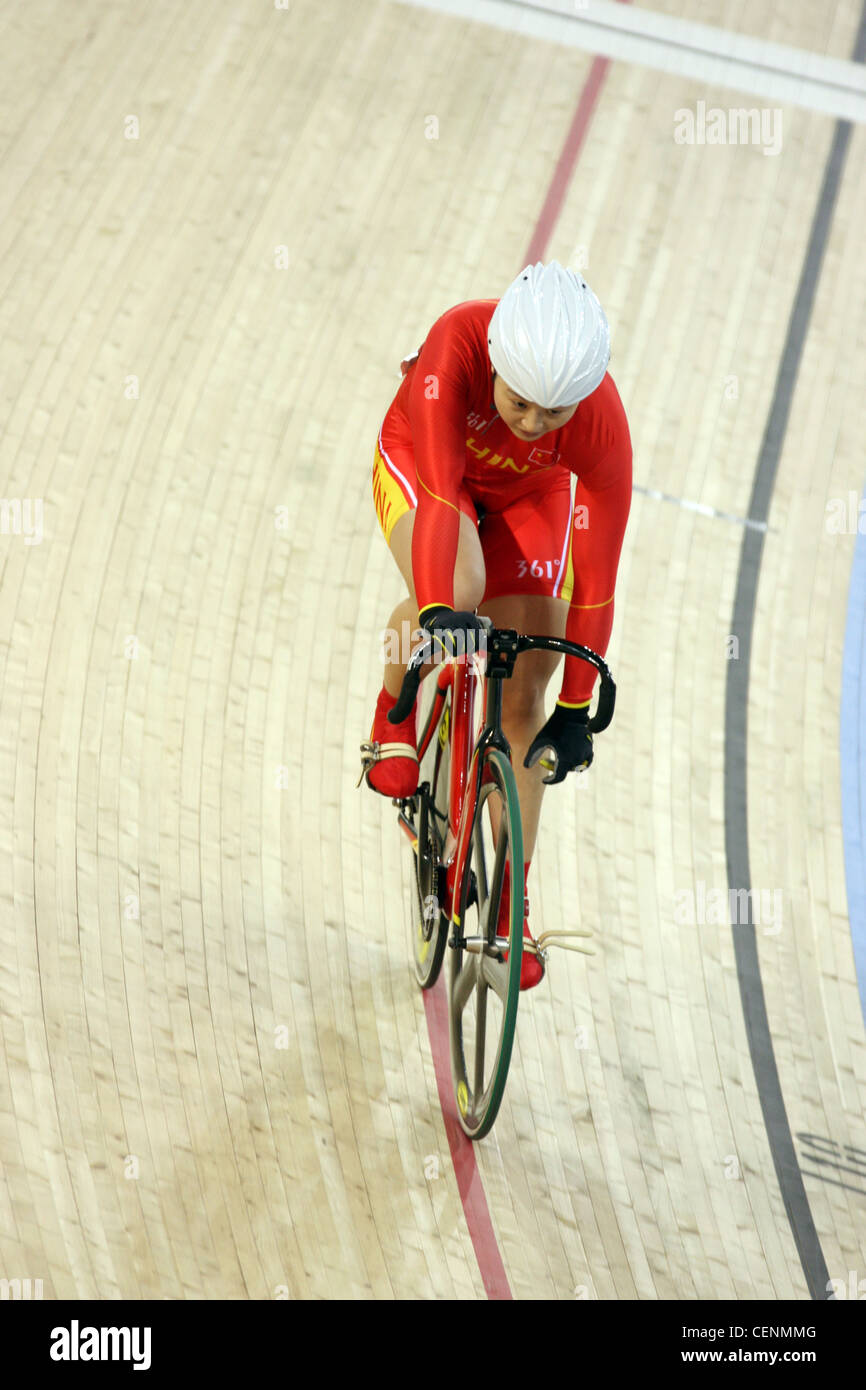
[701, 507]
[774, 72]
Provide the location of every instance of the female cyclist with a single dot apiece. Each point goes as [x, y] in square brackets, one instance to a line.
[504, 402]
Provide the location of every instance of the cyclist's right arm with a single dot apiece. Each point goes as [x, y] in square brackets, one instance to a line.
[436, 402]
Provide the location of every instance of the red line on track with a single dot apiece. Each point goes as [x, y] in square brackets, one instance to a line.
[567, 160]
[469, 1183]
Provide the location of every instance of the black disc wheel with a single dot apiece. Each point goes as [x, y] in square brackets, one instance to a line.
[429, 924]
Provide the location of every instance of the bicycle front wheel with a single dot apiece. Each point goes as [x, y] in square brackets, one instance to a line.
[486, 951]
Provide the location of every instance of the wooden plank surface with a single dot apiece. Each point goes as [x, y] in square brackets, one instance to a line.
[217, 1080]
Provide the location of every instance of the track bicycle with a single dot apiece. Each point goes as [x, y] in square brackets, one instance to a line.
[464, 826]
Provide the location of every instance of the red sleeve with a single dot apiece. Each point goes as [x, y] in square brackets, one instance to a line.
[439, 387]
[602, 500]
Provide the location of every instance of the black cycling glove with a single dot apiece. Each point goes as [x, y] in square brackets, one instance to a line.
[566, 733]
[456, 632]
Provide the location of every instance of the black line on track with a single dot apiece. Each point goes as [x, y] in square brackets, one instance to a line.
[787, 1167]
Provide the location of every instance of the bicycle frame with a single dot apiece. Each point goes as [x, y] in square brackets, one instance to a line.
[463, 678]
[469, 735]
[460, 861]
[464, 675]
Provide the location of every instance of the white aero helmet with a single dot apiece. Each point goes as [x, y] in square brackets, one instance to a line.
[548, 338]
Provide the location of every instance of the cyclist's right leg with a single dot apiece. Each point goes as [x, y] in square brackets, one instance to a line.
[469, 584]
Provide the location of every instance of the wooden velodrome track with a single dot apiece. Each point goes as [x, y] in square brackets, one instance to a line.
[222, 228]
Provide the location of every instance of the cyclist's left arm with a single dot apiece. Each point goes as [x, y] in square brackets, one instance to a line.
[601, 507]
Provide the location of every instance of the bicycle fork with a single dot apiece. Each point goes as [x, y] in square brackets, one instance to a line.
[466, 782]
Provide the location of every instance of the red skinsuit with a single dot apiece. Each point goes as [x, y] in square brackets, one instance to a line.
[444, 414]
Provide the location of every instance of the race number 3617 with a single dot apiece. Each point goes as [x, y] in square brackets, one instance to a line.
[539, 569]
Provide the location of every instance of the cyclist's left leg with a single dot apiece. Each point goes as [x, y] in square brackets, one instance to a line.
[527, 554]
[522, 716]
[526, 549]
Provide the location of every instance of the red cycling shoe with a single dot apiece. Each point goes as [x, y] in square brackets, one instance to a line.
[390, 760]
[531, 965]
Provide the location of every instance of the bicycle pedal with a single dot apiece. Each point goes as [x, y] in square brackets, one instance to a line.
[373, 753]
[473, 944]
[479, 945]
[369, 758]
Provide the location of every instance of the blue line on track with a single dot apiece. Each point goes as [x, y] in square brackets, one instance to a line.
[852, 751]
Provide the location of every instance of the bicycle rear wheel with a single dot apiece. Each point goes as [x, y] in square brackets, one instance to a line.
[429, 925]
[484, 988]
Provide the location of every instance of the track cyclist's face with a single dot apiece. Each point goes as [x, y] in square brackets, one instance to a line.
[524, 419]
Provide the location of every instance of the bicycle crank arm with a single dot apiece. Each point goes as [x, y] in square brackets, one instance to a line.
[407, 826]
[479, 945]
